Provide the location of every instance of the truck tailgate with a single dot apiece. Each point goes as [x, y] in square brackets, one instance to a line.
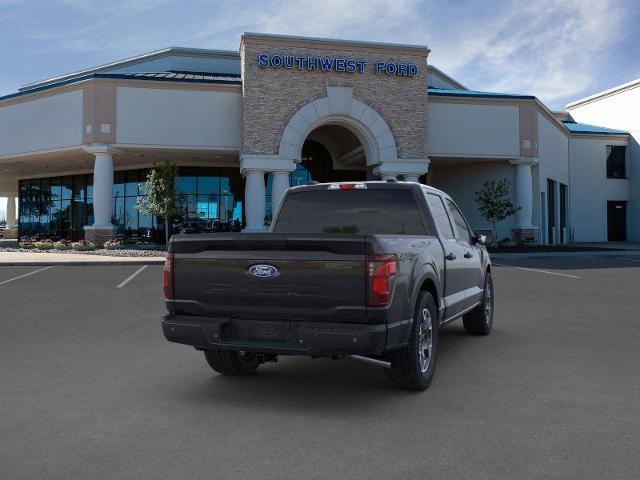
[294, 277]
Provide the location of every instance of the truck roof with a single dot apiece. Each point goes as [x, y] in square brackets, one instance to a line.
[378, 184]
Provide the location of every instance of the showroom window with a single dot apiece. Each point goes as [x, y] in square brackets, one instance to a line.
[59, 207]
[211, 199]
[616, 161]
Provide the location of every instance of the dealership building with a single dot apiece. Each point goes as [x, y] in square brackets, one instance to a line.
[244, 126]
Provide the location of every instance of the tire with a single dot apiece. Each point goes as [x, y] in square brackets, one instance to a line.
[480, 320]
[232, 363]
[412, 367]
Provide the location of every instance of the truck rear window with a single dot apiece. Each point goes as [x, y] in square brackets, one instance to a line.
[388, 211]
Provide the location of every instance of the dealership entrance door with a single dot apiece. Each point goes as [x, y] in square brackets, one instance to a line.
[330, 153]
[333, 153]
[617, 221]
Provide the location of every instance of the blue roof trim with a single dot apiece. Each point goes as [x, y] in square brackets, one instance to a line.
[226, 80]
[445, 92]
[585, 128]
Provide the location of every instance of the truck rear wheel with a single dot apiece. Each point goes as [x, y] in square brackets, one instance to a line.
[412, 367]
[479, 320]
[232, 363]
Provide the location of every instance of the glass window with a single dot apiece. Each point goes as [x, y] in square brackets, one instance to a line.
[616, 162]
[62, 206]
[208, 185]
[462, 229]
[118, 184]
[55, 186]
[186, 184]
[90, 186]
[79, 188]
[118, 213]
[130, 214]
[131, 184]
[440, 216]
[67, 188]
[370, 211]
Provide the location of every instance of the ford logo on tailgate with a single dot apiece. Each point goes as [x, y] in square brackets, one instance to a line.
[263, 271]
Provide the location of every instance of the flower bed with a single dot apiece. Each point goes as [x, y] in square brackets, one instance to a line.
[113, 244]
[83, 245]
[62, 245]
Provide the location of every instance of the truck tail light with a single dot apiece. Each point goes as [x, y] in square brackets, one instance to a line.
[169, 292]
[381, 278]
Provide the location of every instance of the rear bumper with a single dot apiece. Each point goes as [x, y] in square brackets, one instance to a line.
[281, 337]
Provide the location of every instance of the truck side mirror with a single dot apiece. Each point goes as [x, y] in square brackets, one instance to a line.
[480, 239]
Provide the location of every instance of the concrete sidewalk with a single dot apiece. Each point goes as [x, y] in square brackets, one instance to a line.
[593, 253]
[32, 258]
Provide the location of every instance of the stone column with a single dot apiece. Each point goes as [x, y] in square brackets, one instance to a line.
[102, 229]
[11, 232]
[254, 200]
[524, 198]
[410, 169]
[279, 185]
[253, 167]
[11, 212]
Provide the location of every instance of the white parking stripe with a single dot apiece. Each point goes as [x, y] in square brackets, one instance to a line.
[536, 270]
[25, 275]
[131, 277]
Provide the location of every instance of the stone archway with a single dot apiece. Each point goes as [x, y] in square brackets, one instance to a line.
[340, 108]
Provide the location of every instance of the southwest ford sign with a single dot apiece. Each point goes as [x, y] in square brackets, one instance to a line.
[334, 64]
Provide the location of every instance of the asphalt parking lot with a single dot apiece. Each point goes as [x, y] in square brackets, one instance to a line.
[89, 388]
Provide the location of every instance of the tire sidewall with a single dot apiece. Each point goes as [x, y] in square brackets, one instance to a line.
[425, 300]
[488, 324]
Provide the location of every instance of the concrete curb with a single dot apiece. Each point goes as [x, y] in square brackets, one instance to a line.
[82, 263]
[595, 253]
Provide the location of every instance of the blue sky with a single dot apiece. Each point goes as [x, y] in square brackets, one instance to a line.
[557, 50]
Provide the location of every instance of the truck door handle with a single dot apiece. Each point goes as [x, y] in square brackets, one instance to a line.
[451, 256]
[468, 255]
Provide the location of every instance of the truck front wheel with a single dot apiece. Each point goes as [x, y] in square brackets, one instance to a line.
[412, 367]
[232, 363]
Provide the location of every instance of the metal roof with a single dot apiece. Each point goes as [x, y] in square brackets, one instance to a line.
[445, 92]
[186, 77]
[585, 128]
[135, 60]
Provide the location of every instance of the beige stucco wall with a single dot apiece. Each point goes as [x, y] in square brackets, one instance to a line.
[178, 117]
[271, 96]
[467, 129]
[54, 121]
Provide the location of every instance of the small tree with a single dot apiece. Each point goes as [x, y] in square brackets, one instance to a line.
[160, 200]
[494, 202]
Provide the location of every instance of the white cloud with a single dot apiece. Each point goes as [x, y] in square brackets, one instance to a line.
[546, 48]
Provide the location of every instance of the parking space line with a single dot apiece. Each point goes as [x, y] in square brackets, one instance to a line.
[132, 276]
[25, 275]
[536, 270]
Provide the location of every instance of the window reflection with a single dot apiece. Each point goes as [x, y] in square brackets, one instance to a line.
[211, 199]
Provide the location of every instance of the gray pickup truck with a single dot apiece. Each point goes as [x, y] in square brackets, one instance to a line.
[367, 270]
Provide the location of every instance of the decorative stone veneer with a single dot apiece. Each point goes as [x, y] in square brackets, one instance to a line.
[271, 96]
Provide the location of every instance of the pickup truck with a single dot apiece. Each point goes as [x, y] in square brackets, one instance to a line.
[367, 270]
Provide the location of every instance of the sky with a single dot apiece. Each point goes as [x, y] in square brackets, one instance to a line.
[557, 50]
